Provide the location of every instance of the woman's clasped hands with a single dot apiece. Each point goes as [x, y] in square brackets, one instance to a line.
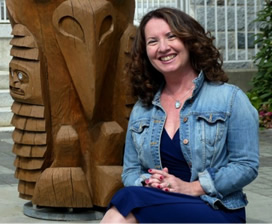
[161, 179]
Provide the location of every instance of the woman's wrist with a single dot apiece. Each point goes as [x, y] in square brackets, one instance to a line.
[197, 189]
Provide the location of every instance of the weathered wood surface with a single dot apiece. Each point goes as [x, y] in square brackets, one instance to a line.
[62, 187]
[71, 98]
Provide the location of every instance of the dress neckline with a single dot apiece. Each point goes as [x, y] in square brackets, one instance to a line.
[175, 135]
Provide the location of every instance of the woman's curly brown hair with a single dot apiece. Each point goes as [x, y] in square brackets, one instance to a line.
[146, 80]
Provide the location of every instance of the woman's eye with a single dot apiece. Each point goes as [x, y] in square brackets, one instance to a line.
[172, 36]
[151, 42]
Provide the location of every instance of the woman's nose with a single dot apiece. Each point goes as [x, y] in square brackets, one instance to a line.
[163, 46]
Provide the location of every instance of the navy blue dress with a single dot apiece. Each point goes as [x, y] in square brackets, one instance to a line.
[151, 205]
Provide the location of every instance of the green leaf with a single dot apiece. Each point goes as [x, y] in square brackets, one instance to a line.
[266, 95]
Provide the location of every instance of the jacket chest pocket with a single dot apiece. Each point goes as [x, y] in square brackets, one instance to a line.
[139, 131]
[211, 127]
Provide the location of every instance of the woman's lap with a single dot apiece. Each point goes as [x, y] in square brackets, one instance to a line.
[185, 213]
[155, 206]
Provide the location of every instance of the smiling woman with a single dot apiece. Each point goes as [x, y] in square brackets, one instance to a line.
[187, 155]
[166, 52]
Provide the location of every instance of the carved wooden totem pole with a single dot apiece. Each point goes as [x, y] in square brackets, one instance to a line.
[71, 98]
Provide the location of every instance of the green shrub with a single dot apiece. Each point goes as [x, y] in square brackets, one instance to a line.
[261, 93]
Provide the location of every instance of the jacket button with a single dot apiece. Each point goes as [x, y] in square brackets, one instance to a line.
[185, 141]
[185, 119]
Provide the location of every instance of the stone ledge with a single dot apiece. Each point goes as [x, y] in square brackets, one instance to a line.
[7, 129]
[5, 117]
[241, 78]
[4, 80]
[5, 98]
[5, 31]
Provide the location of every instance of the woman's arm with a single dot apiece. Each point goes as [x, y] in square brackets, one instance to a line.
[242, 145]
[133, 171]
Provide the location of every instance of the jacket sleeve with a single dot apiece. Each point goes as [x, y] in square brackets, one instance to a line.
[133, 173]
[242, 145]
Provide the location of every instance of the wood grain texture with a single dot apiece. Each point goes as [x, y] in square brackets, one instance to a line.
[28, 163]
[26, 188]
[56, 183]
[29, 150]
[72, 98]
[27, 176]
[28, 124]
[28, 110]
[107, 181]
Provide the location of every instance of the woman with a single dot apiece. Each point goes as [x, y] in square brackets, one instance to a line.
[192, 139]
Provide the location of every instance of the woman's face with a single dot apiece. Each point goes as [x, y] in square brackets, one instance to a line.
[165, 51]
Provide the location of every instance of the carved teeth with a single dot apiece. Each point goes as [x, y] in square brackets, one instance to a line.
[167, 58]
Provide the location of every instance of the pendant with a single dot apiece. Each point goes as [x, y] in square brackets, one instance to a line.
[177, 104]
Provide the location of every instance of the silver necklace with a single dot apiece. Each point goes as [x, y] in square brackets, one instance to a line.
[177, 102]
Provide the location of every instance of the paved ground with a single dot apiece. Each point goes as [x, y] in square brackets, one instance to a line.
[259, 192]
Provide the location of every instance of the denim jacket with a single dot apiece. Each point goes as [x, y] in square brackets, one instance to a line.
[218, 138]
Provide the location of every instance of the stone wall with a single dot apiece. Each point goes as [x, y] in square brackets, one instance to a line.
[5, 37]
[241, 78]
[199, 13]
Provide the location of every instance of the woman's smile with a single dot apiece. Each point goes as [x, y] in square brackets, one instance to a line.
[167, 58]
[166, 52]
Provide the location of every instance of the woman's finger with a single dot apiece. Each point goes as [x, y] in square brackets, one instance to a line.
[157, 176]
[165, 169]
[160, 172]
[152, 180]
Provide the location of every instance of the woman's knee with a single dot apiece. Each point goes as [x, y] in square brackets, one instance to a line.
[114, 216]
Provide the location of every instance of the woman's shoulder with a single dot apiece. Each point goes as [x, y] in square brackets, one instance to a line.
[140, 111]
[219, 97]
[222, 86]
[222, 91]
[226, 90]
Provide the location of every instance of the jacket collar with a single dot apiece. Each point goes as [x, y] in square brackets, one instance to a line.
[198, 81]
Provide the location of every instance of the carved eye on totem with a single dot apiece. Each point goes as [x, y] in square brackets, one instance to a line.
[70, 27]
[18, 76]
[11, 73]
[106, 29]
